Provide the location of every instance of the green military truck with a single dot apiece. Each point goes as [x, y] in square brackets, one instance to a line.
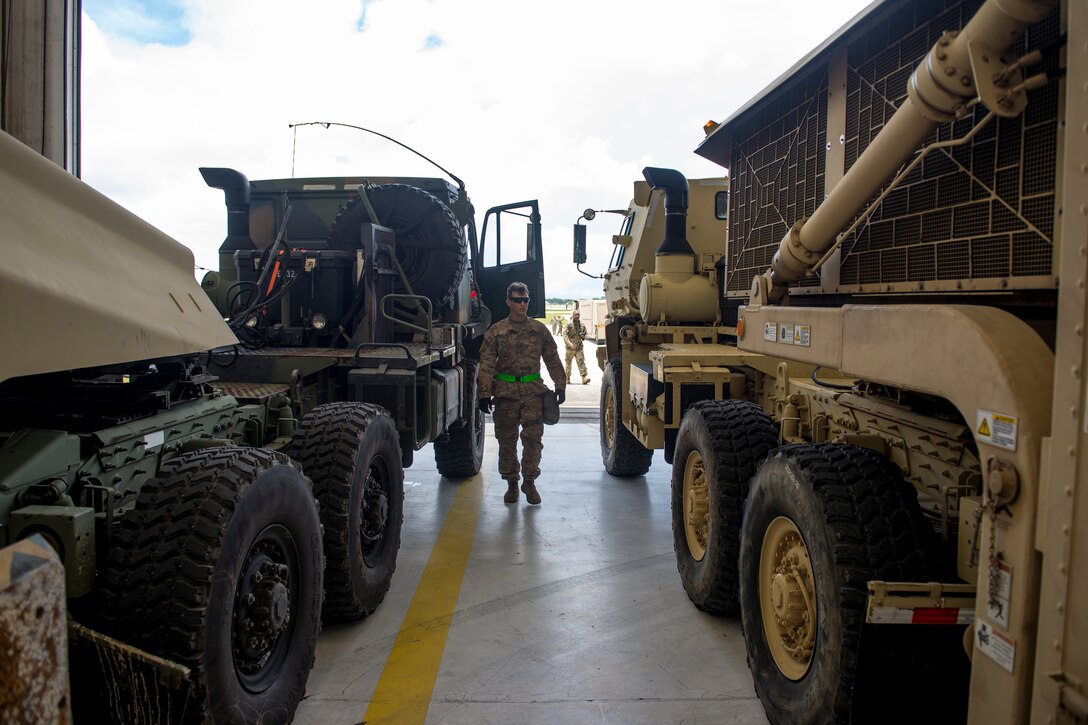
[370, 291]
[219, 467]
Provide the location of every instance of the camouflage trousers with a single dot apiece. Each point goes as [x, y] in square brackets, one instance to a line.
[510, 415]
[579, 355]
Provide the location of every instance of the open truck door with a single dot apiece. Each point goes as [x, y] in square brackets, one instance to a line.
[511, 251]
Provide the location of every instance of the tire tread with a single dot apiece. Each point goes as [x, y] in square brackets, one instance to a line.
[628, 457]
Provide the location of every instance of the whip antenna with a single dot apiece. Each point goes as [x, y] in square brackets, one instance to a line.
[327, 124]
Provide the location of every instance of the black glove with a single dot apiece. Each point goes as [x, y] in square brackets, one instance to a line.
[560, 396]
[485, 405]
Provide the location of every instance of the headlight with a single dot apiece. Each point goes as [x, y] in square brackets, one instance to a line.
[318, 321]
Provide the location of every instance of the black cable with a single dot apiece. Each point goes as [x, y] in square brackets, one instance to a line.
[235, 291]
[825, 384]
[211, 357]
[237, 323]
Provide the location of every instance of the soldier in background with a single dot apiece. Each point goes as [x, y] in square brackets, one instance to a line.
[510, 373]
[573, 336]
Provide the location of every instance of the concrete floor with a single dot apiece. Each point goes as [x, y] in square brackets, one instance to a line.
[568, 612]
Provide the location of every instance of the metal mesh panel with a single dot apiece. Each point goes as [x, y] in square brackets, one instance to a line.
[1031, 255]
[954, 260]
[990, 256]
[921, 262]
[983, 192]
[777, 173]
[983, 210]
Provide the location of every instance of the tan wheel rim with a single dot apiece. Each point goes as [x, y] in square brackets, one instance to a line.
[696, 503]
[787, 598]
[610, 418]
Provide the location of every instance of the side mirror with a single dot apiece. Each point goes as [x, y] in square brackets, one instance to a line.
[579, 244]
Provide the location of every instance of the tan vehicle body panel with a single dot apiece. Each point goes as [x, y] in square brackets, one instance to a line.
[1061, 531]
[84, 282]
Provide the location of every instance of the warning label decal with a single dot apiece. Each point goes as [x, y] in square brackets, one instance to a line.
[995, 644]
[997, 429]
[803, 336]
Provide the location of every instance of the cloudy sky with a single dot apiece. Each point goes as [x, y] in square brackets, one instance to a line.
[564, 101]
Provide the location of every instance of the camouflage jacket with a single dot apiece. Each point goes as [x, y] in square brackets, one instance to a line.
[515, 348]
[574, 334]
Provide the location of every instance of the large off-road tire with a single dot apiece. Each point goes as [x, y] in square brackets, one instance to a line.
[621, 452]
[821, 522]
[461, 455]
[718, 449]
[219, 568]
[352, 453]
[430, 246]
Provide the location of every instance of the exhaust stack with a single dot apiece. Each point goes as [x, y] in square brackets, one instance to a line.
[236, 194]
[676, 209]
[676, 291]
[235, 188]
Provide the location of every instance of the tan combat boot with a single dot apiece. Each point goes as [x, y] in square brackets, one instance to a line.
[585, 381]
[531, 494]
[511, 492]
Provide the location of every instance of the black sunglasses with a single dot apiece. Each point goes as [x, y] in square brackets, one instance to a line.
[519, 300]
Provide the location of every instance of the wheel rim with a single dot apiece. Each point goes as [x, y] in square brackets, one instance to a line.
[787, 598]
[267, 594]
[609, 417]
[375, 513]
[696, 506]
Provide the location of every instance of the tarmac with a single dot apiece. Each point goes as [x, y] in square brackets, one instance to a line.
[583, 401]
[567, 612]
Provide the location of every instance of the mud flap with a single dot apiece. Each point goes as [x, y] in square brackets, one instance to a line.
[123, 683]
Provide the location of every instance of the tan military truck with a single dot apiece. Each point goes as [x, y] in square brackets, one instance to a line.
[880, 455]
[629, 431]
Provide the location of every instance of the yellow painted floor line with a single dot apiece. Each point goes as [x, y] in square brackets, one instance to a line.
[404, 690]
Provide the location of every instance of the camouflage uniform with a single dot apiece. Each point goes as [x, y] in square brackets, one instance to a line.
[573, 336]
[515, 348]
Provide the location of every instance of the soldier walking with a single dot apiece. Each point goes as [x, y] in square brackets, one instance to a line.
[511, 388]
[573, 336]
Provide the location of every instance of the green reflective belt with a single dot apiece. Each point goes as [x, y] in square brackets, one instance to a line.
[517, 378]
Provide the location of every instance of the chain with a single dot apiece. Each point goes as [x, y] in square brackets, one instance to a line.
[975, 546]
[995, 561]
[994, 573]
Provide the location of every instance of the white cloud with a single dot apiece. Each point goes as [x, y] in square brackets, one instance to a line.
[563, 101]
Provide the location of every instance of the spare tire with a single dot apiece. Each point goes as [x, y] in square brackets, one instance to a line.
[430, 245]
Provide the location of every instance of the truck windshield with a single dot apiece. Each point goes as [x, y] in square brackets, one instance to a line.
[618, 250]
